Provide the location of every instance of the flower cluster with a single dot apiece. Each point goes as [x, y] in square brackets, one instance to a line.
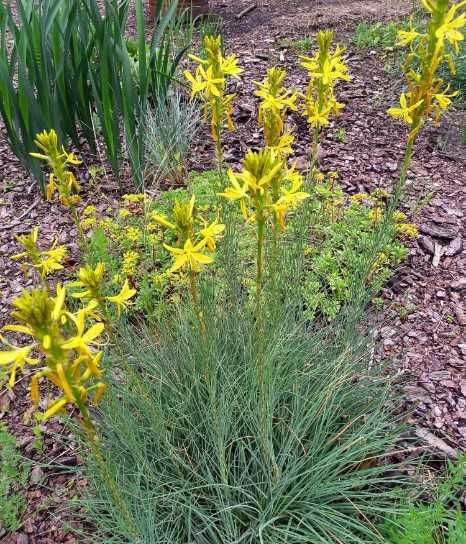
[427, 95]
[92, 281]
[265, 187]
[325, 70]
[61, 180]
[192, 248]
[44, 261]
[63, 346]
[209, 83]
[276, 101]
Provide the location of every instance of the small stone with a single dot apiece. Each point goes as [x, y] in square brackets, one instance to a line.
[462, 348]
[37, 475]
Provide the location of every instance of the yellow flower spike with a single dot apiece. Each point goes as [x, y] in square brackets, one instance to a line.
[210, 232]
[61, 180]
[276, 101]
[45, 262]
[121, 300]
[190, 256]
[208, 82]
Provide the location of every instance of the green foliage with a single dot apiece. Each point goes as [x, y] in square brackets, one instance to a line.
[440, 521]
[340, 135]
[372, 36]
[303, 45]
[342, 237]
[69, 59]
[13, 477]
[112, 240]
[341, 241]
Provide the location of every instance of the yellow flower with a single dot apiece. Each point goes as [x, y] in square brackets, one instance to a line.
[89, 210]
[133, 234]
[124, 213]
[405, 111]
[121, 300]
[162, 220]
[46, 261]
[450, 30]
[190, 256]
[130, 262]
[84, 339]
[205, 82]
[407, 229]
[406, 37]
[290, 199]
[16, 359]
[210, 232]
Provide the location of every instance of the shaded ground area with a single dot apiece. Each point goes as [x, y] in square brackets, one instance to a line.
[422, 329]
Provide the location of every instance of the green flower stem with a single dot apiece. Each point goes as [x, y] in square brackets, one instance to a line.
[195, 299]
[81, 236]
[314, 152]
[95, 445]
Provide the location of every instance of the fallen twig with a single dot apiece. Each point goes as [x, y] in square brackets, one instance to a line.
[31, 207]
[246, 10]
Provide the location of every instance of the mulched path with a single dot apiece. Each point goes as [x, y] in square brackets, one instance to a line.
[422, 330]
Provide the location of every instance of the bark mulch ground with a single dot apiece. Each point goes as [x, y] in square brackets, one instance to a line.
[421, 331]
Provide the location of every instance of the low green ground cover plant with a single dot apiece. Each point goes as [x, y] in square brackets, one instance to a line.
[441, 520]
[14, 473]
[237, 416]
[375, 35]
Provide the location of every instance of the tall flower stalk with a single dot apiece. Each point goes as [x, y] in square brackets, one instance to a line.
[61, 180]
[209, 82]
[325, 69]
[427, 96]
[266, 191]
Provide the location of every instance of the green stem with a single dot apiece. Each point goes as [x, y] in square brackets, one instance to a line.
[314, 152]
[81, 236]
[195, 299]
[94, 442]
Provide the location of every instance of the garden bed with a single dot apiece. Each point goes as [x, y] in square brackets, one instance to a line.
[421, 329]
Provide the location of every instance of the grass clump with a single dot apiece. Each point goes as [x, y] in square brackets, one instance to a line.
[183, 431]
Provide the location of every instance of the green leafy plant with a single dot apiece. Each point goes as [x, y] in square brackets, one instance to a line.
[13, 477]
[439, 521]
[374, 35]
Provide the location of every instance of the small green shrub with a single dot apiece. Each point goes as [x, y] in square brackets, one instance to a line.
[341, 241]
[372, 36]
[441, 521]
[13, 477]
